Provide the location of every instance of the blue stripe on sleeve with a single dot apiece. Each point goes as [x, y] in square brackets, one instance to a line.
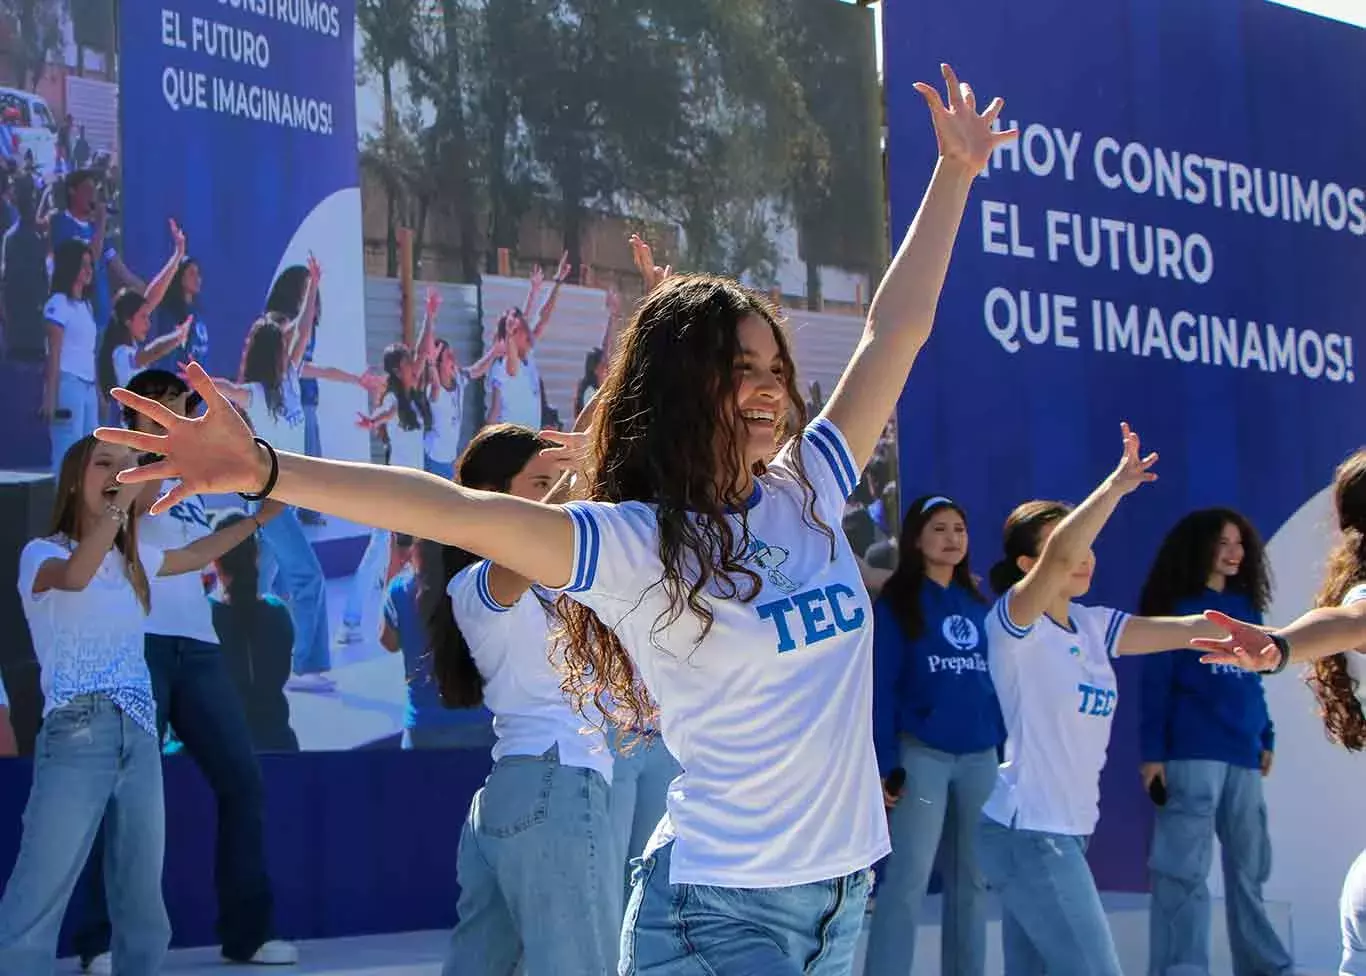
[1117, 618]
[481, 586]
[587, 547]
[821, 436]
[1003, 615]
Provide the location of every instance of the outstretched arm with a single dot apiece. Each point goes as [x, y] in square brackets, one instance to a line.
[548, 309]
[163, 345]
[1149, 635]
[903, 308]
[202, 552]
[215, 454]
[156, 288]
[1319, 633]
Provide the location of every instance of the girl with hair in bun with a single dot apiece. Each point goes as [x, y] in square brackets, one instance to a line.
[1050, 662]
[1333, 639]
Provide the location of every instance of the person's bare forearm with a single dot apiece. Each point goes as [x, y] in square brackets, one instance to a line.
[1324, 632]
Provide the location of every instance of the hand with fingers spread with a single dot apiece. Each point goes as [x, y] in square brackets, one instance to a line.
[572, 451]
[178, 238]
[964, 135]
[644, 259]
[1133, 470]
[1247, 646]
[214, 453]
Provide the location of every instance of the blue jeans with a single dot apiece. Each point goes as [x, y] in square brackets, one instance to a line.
[313, 446]
[1352, 909]
[368, 583]
[701, 930]
[534, 873]
[445, 469]
[301, 576]
[78, 399]
[1206, 799]
[1052, 920]
[91, 764]
[640, 787]
[196, 696]
[938, 813]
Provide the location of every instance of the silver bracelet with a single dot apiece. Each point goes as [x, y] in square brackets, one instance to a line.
[118, 514]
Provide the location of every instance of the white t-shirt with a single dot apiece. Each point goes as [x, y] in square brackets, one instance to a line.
[284, 430]
[91, 641]
[180, 607]
[770, 715]
[448, 421]
[125, 364]
[519, 395]
[521, 687]
[1356, 662]
[406, 447]
[1058, 694]
[78, 335]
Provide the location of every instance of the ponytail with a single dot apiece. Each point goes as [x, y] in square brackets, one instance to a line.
[457, 676]
[1003, 575]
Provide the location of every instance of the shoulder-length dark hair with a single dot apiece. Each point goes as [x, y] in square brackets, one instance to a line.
[116, 333]
[414, 409]
[66, 516]
[495, 456]
[902, 589]
[66, 267]
[262, 362]
[286, 297]
[666, 406]
[175, 306]
[242, 567]
[1186, 558]
[591, 361]
[1022, 537]
[1329, 679]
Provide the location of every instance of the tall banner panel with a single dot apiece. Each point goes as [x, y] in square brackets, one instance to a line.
[239, 123]
[1178, 240]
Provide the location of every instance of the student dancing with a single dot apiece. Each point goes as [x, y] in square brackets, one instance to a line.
[937, 727]
[535, 864]
[1050, 662]
[702, 570]
[1332, 638]
[86, 593]
[1206, 739]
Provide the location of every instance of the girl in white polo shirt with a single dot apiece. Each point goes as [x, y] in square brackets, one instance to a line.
[1050, 661]
[535, 866]
[705, 571]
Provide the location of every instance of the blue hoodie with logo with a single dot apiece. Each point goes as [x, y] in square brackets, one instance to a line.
[935, 688]
[1191, 710]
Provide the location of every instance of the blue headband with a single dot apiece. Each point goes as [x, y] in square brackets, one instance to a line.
[936, 501]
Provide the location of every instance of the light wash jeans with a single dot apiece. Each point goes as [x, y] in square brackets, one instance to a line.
[91, 764]
[938, 812]
[368, 583]
[1206, 799]
[701, 930]
[1052, 920]
[535, 874]
[313, 447]
[640, 786]
[1352, 909]
[79, 399]
[301, 579]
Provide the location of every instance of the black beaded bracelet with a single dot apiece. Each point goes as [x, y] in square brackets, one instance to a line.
[1283, 646]
[264, 493]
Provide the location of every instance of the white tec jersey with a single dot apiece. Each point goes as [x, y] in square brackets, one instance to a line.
[770, 715]
[1058, 695]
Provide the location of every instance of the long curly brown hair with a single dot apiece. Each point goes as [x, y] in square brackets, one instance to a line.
[667, 432]
[1329, 679]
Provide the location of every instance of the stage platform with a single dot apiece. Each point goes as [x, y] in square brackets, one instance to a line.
[420, 953]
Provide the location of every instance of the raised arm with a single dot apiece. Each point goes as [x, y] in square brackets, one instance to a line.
[303, 325]
[216, 454]
[426, 342]
[157, 287]
[479, 369]
[548, 309]
[1070, 543]
[75, 572]
[903, 308]
[163, 345]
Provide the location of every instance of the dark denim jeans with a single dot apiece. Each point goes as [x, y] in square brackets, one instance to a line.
[195, 694]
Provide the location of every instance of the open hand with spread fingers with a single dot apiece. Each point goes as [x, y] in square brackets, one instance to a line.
[214, 453]
[1246, 646]
[1133, 470]
[965, 135]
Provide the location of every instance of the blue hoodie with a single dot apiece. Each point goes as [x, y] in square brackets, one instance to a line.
[936, 688]
[1192, 710]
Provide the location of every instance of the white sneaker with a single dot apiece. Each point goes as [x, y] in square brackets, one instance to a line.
[349, 634]
[101, 965]
[275, 953]
[316, 683]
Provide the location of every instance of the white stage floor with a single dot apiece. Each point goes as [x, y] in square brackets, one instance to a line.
[420, 953]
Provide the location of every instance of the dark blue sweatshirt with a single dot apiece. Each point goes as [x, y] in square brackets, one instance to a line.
[1192, 710]
[937, 687]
